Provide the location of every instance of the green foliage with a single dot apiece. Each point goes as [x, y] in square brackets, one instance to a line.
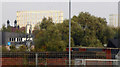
[45, 23]
[4, 49]
[94, 29]
[22, 48]
[117, 33]
[77, 33]
[86, 31]
[52, 37]
[91, 41]
[9, 29]
[13, 48]
[5, 29]
[109, 33]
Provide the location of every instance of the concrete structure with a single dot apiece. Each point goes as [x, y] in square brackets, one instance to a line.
[28, 29]
[113, 20]
[14, 38]
[119, 20]
[34, 17]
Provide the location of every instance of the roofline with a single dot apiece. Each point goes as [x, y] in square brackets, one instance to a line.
[96, 47]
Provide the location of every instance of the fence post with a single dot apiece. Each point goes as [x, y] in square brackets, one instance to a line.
[84, 62]
[36, 60]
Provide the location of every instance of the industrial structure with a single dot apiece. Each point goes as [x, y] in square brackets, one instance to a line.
[113, 20]
[14, 37]
[34, 17]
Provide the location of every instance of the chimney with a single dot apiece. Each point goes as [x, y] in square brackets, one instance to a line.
[18, 26]
[15, 23]
[8, 23]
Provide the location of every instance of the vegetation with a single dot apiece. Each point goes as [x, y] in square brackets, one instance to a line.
[22, 48]
[96, 31]
[13, 48]
[4, 49]
[50, 36]
[9, 29]
[86, 31]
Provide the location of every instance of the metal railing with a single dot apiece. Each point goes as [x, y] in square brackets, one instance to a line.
[55, 58]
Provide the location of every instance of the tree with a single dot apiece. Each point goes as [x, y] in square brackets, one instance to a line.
[40, 40]
[13, 48]
[91, 27]
[109, 33]
[9, 29]
[76, 33]
[117, 32]
[46, 22]
[4, 29]
[50, 36]
[22, 48]
[86, 30]
[4, 49]
[64, 30]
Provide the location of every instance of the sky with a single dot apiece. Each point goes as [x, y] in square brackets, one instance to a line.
[99, 9]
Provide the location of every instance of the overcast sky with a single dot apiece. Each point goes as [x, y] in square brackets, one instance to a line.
[100, 9]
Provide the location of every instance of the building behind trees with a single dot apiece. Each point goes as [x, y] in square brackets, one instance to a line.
[34, 17]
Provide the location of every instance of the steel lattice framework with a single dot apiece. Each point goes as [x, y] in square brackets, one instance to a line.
[113, 20]
[34, 17]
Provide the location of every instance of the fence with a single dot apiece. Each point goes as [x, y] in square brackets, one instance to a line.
[55, 58]
[109, 62]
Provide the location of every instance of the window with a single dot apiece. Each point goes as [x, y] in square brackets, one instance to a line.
[17, 40]
[21, 39]
[9, 39]
[14, 39]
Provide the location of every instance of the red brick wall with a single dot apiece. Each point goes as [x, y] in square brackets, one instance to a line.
[21, 61]
[56, 61]
[12, 61]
